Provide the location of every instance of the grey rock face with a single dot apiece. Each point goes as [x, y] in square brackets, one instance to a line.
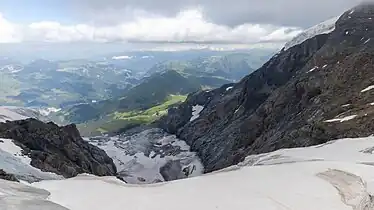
[60, 150]
[172, 171]
[6, 176]
[287, 102]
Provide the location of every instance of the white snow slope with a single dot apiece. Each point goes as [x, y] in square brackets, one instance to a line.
[8, 114]
[322, 28]
[12, 113]
[338, 175]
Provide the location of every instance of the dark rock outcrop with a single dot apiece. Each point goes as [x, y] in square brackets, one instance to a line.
[60, 150]
[6, 176]
[172, 170]
[284, 104]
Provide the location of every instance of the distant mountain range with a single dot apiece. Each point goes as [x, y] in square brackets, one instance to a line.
[232, 67]
[44, 83]
[62, 83]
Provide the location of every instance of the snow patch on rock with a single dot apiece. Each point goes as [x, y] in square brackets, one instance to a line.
[314, 68]
[342, 119]
[196, 112]
[367, 89]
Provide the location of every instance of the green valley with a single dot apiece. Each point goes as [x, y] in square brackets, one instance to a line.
[118, 121]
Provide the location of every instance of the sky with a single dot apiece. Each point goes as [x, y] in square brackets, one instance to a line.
[163, 22]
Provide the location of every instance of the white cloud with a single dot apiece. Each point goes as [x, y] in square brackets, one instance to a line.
[8, 32]
[187, 26]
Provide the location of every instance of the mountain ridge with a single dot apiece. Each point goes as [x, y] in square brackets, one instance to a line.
[288, 102]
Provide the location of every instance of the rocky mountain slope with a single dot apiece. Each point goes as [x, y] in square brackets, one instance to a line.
[31, 150]
[319, 90]
[55, 149]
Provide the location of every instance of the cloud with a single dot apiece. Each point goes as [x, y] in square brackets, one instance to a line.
[187, 26]
[8, 32]
[299, 13]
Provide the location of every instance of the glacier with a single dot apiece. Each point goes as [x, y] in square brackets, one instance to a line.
[140, 157]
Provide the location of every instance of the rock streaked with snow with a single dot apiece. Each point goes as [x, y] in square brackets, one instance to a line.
[140, 157]
[347, 118]
[13, 161]
[322, 28]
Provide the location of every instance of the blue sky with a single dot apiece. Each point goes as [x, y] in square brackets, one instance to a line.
[28, 11]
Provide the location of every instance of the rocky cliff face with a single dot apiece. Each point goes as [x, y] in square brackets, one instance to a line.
[56, 149]
[313, 92]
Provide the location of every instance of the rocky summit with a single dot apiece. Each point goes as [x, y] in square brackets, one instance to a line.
[60, 150]
[319, 90]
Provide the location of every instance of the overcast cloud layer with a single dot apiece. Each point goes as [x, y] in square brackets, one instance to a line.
[179, 21]
[188, 26]
[299, 13]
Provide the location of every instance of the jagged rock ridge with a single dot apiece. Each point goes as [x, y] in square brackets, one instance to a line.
[60, 150]
[311, 93]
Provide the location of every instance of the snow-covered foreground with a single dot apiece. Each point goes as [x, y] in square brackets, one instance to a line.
[16, 196]
[139, 158]
[338, 175]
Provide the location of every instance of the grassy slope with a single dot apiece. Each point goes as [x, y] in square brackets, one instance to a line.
[121, 120]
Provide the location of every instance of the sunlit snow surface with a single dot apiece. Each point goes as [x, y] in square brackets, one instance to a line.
[139, 157]
[338, 175]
